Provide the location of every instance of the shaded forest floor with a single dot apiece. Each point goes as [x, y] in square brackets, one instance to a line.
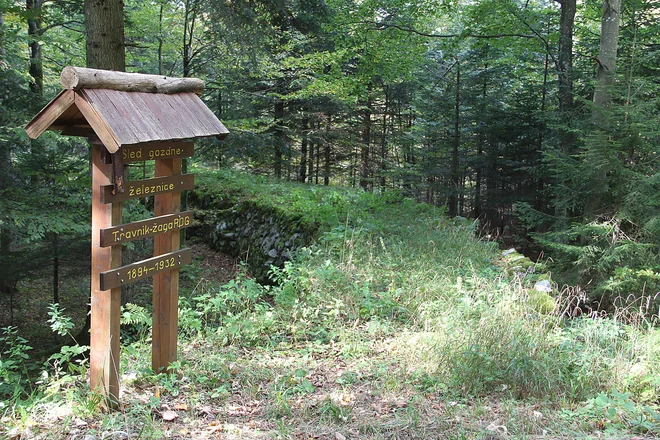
[363, 384]
[398, 323]
[27, 309]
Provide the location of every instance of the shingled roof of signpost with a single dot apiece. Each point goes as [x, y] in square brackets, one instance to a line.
[127, 108]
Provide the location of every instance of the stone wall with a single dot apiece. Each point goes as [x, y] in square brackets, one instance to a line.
[259, 235]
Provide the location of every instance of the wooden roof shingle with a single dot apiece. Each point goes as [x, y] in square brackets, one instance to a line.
[126, 118]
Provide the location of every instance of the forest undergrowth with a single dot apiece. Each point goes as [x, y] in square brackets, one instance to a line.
[397, 323]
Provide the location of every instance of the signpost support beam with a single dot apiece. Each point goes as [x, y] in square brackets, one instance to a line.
[166, 284]
[105, 305]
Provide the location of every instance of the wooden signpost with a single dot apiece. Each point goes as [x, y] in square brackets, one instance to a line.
[108, 275]
[130, 118]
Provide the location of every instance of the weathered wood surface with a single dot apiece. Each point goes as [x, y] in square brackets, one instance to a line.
[166, 284]
[128, 118]
[145, 228]
[121, 276]
[80, 77]
[157, 150]
[143, 188]
[147, 117]
[49, 114]
[98, 123]
[105, 306]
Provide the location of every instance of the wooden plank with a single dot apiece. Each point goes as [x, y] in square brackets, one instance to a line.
[105, 306]
[98, 123]
[188, 106]
[145, 228]
[174, 123]
[143, 188]
[166, 284]
[131, 273]
[80, 77]
[49, 114]
[205, 116]
[157, 150]
[110, 105]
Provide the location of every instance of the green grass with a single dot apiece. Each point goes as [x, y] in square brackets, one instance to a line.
[398, 323]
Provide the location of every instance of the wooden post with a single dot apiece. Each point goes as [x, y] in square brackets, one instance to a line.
[105, 307]
[166, 284]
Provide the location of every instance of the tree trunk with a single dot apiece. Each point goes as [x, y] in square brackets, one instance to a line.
[34, 35]
[605, 76]
[454, 175]
[540, 184]
[480, 151]
[310, 170]
[3, 53]
[190, 17]
[104, 27]
[318, 162]
[565, 63]
[383, 140]
[366, 144]
[326, 162]
[160, 39]
[278, 140]
[326, 156]
[6, 284]
[56, 270]
[302, 169]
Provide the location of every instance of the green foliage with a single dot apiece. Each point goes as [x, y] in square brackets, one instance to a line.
[135, 322]
[14, 366]
[622, 268]
[59, 322]
[614, 411]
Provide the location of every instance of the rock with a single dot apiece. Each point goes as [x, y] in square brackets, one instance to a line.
[543, 286]
[262, 235]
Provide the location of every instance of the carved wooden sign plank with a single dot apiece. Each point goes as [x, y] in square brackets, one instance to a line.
[144, 269]
[145, 228]
[149, 187]
[157, 150]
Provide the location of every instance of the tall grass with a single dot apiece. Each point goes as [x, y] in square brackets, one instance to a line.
[396, 284]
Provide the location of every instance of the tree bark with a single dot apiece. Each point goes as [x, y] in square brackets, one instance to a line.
[56, 269]
[3, 53]
[160, 39]
[80, 77]
[190, 17]
[565, 63]
[6, 285]
[454, 175]
[278, 141]
[104, 27]
[480, 151]
[366, 145]
[34, 34]
[383, 140]
[310, 170]
[540, 184]
[605, 76]
[327, 156]
[302, 170]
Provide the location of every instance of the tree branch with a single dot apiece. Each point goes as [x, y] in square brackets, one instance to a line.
[63, 24]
